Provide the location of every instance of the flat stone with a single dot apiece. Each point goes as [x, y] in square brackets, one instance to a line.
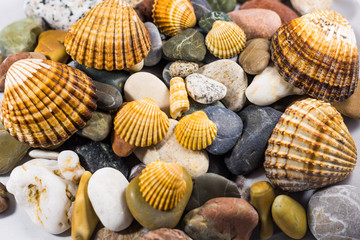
[51, 44]
[182, 68]
[109, 98]
[222, 5]
[229, 128]
[207, 20]
[201, 7]
[248, 153]
[308, 6]
[98, 127]
[166, 233]
[134, 232]
[155, 54]
[256, 56]
[334, 212]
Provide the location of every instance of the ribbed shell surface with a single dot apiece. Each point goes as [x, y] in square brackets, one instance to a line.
[179, 101]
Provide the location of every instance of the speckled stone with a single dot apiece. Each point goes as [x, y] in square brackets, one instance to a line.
[166, 233]
[182, 68]
[109, 98]
[134, 232]
[155, 54]
[207, 20]
[201, 7]
[222, 5]
[334, 213]
[98, 127]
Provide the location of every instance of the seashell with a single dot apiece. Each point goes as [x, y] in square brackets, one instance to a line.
[171, 17]
[195, 131]
[141, 123]
[225, 39]
[162, 184]
[45, 102]
[179, 102]
[318, 54]
[309, 148]
[110, 36]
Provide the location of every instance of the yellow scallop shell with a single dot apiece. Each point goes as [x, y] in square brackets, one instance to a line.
[110, 36]
[162, 184]
[45, 102]
[171, 17]
[195, 131]
[141, 123]
[179, 102]
[225, 39]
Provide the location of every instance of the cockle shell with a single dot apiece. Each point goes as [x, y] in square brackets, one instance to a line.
[45, 102]
[141, 123]
[225, 39]
[171, 17]
[318, 54]
[179, 102]
[195, 131]
[110, 36]
[162, 184]
[309, 148]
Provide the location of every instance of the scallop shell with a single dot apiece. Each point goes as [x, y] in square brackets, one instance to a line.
[171, 17]
[162, 184]
[225, 39]
[141, 123]
[45, 102]
[195, 131]
[110, 36]
[318, 54]
[179, 102]
[310, 147]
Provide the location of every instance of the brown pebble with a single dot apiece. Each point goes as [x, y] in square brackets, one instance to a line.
[120, 147]
[145, 9]
[166, 234]
[351, 106]
[4, 198]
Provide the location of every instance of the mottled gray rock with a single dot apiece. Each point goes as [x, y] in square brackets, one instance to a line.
[182, 68]
[207, 20]
[201, 7]
[155, 54]
[109, 98]
[222, 5]
[98, 127]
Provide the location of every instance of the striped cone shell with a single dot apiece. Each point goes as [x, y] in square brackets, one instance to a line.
[179, 102]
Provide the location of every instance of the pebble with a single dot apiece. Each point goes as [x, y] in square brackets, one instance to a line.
[223, 5]
[201, 7]
[195, 106]
[207, 20]
[109, 98]
[36, 153]
[106, 191]
[136, 68]
[204, 90]
[145, 9]
[120, 147]
[229, 128]
[136, 171]
[182, 68]
[21, 36]
[285, 13]
[308, 6]
[349, 107]
[248, 153]
[69, 166]
[209, 57]
[166, 233]
[143, 84]
[98, 127]
[150, 217]
[217, 165]
[222, 219]
[134, 232]
[188, 45]
[233, 77]
[166, 77]
[155, 54]
[59, 14]
[11, 151]
[44, 193]
[169, 150]
[335, 212]
[4, 198]
[289, 216]
[256, 56]
[256, 23]
[258, 91]
[51, 44]
[5, 65]
[209, 186]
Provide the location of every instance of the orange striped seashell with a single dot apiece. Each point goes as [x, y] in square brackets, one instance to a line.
[110, 36]
[162, 184]
[141, 123]
[179, 102]
[45, 102]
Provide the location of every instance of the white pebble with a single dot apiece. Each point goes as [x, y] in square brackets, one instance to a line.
[43, 154]
[69, 165]
[308, 6]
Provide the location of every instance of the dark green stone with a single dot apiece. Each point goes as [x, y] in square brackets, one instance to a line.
[208, 19]
[98, 127]
[223, 5]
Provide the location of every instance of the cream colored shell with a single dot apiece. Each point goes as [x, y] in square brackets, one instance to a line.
[179, 102]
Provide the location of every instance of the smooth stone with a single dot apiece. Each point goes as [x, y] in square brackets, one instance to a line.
[166, 233]
[248, 153]
[114, 78]
[334, 212]
[289, 216]
[256, 23]
[209, 186]
[217, 165]
[349, 107]
[106, 190]
[143, 84]
[145, 9]
[166, 77]
[169, 150]
[136, 171]
[201, 7]
[233, 77]
[4, 198]
[36, 153]
[285, 13]
[207, 20]
[221, 219]
[109, 98]
[69, 166]
[120, 147]
[195, 106]
[98, 127]
[188, 45]
[256, 56]
[155, 54]
[5, 65]
[222, 5]
[11, 151]
[308, 6]
[150, 217]
[21, 36]
[182, 68]
[209, 58]
[134, 232]
[229, 128]
[51, 44]
[59, 14]
[204, 90]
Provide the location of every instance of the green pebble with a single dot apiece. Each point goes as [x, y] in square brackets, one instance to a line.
[222, 5]
[208, 19]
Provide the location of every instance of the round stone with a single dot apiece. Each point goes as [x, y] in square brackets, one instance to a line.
[155, 54]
